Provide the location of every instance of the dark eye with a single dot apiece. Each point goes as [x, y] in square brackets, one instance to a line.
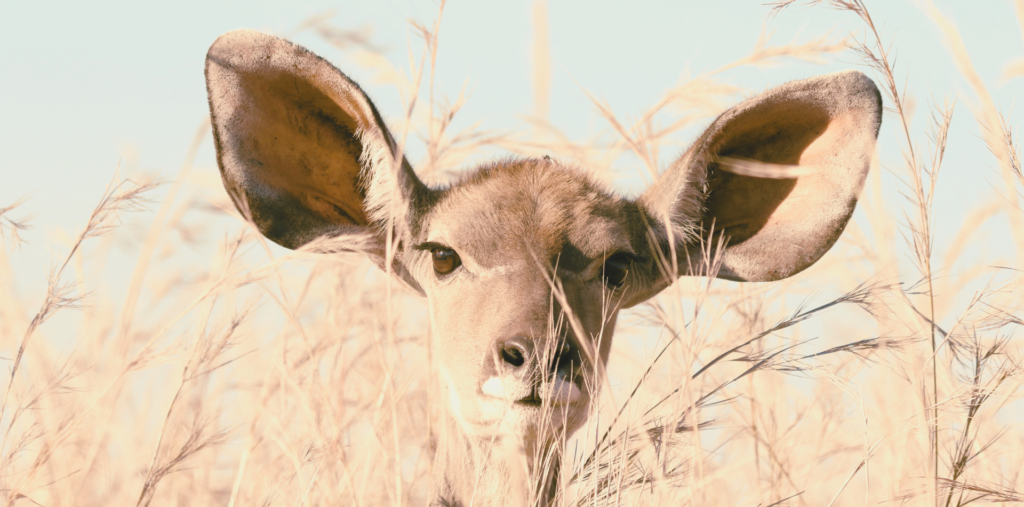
[616, 268]
[445, 260]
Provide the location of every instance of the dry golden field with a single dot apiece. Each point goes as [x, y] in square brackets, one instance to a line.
[232, 373]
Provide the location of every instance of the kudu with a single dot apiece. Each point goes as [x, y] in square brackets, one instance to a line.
[304, 154]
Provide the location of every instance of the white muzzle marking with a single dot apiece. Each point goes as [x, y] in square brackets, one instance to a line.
[558, 392]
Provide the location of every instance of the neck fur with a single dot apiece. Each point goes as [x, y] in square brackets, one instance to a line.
[498, 471]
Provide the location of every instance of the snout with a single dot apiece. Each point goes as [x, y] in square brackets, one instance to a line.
[533, 372]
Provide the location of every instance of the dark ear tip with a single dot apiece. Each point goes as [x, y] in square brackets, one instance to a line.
[238, 39]
[858, 88]
[859, 83]
[243, 45]
[849, 81]
[853, 78]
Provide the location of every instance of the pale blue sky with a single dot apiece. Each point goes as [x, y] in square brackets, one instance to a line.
[84, 83]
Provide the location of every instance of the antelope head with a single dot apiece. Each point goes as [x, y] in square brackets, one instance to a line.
[525, 263]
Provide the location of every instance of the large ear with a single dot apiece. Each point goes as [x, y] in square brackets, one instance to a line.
[777, 177]
[302, 151]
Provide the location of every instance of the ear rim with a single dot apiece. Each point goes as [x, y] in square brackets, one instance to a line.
[392, 191]
[679, 195]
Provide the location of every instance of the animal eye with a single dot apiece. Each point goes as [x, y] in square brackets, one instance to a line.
[615, 270]
[445, 260]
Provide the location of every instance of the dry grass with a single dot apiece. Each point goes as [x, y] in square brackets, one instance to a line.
[250, 379]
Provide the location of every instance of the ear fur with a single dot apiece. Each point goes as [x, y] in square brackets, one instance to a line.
[777, 177]
[303, 152]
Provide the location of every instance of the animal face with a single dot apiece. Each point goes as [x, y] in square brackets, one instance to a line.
[525, 263]
[502, 254]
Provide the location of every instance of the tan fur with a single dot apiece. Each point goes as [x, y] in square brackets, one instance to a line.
[304, 153]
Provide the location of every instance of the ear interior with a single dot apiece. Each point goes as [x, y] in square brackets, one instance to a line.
[303, 145]
[824, 127]
[742, 205]
[290, 131]
[777, 176]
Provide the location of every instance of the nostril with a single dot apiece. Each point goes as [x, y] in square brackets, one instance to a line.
[565, 357]
[513, 353]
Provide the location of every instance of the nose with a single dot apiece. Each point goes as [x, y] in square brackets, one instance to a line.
[515, 352]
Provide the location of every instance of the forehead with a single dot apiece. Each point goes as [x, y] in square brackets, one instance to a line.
[530, 207]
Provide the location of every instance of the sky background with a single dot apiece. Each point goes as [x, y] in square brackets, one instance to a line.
[85, 86]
